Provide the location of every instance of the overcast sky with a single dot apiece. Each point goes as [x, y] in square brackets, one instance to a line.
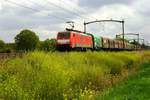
[47, 17]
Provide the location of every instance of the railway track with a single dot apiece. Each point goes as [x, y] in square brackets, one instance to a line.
[10, 55]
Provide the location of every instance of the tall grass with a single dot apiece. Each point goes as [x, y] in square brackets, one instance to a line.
[58, 76]
[135, 88]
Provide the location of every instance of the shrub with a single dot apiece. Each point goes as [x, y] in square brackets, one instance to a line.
[48, 45]
[56, 75]
[26, 40]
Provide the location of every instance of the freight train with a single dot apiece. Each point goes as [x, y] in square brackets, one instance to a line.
[77, 40]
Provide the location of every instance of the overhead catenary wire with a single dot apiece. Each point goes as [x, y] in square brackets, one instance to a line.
[64, 9]
[77, 10]
[37, 10]
[14, 3]
[33, 2]
[33, 9]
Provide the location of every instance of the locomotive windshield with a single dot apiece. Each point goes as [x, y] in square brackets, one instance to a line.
[64, 35]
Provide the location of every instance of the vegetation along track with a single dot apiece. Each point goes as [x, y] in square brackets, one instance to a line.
[10, 55]
[63, 75]
[135, 88]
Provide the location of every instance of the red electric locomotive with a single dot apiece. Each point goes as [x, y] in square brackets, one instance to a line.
[74, 40]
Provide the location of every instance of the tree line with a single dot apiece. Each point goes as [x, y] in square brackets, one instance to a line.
[27, 40]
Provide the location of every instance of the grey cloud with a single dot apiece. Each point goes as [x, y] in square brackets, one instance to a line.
[22, 17]
[93, 4]
[13, 19]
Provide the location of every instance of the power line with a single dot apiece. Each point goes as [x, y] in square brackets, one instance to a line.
[73, 8]
[36, 10]
[46, 7]
[77, 9]
[14, 3]
[33, 2]
[64, 9]
[55, 5]
[33, 9]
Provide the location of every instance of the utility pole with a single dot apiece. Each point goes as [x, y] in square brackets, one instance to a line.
[138, 39]
[138, 36]
[84, 27]
[123, 33]
[111, 20]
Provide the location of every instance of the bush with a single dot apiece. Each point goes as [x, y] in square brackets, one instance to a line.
[56, 75]
[26, 40]
[2, 44]
[48, 45]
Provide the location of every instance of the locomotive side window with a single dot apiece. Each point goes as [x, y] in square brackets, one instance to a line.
[64, 35]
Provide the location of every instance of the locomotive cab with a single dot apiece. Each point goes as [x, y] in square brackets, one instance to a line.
[63, 40]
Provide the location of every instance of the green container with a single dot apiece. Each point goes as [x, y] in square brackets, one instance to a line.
[97, 42]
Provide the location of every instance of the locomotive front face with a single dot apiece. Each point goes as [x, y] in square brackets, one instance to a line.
[63, 41]
[63, 38]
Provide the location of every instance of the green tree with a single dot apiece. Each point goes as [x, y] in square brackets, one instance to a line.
[48, 45]
[26, 40]
[2, 44]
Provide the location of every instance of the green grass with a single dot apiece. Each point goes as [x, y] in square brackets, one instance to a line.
[73, 75]
[136, 87]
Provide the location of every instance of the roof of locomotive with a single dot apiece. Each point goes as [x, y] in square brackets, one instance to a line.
[86, 34]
